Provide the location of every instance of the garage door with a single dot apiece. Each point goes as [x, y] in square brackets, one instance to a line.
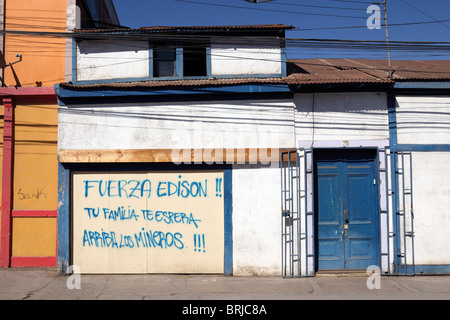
[148, 222]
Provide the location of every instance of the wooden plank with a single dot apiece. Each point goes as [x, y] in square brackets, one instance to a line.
[230, 156]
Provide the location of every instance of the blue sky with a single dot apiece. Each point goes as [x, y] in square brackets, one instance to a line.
[327, 17]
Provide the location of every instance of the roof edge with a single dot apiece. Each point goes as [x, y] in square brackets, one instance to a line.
[150, 29]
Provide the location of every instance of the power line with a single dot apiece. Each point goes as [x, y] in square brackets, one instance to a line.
[424, 13]
[292, 42]
[271, 10]
[361, 26]
[311, 6]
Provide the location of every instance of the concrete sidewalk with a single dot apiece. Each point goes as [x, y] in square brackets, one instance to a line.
[46, 284]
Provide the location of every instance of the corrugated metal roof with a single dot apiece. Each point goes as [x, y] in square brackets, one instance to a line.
[322, 71]
[178, 83]
[314, 72]
[188, 28]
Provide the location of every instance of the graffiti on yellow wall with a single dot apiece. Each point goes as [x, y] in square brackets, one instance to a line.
[151, 222]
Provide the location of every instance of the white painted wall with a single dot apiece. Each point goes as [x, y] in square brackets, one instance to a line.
[341, 117]
[122, 59]
[214, 124]
[256, 221]
[269, 123]
[238, 58]
[423, 119]
[107, 59]
[426, 120]
[431, 187]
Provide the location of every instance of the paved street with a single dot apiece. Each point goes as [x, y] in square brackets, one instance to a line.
[46, 284]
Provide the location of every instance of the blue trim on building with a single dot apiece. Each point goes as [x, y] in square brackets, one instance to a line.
[283, 61]
[422, 85]
[228, 221]
[443, 269]
[423, 147]
[179, 61]
[150, 59]
[149, 91]
[208, 61]
[63, 220]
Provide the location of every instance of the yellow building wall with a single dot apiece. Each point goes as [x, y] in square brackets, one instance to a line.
[35, 180]
[35, 171]
[35, 161]
[34, 237]
[43, 58]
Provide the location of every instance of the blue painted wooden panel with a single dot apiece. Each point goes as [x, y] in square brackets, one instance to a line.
[63, 221]
[346, 210]
[330, 208]
[361, 238]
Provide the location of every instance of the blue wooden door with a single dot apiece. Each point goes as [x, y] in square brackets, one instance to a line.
[346, 213]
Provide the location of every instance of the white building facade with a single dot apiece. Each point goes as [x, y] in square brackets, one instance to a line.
[196, 150]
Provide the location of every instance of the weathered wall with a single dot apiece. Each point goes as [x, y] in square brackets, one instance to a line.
[113, 59]
[341, 117]
[256, 221]
[346, 119]
[108, 59]
[35, 180]
[42, 57]
[431, 187]
[239, 58]
[423, 119]
[426, 120]
[230, 124]
[34, 189]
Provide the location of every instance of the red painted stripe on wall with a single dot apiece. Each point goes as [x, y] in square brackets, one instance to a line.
[20, 262]
[34, 213]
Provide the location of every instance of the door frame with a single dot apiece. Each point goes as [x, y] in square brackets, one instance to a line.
[377, 220]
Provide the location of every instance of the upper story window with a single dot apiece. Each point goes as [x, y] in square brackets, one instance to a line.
[167, 63]
[164, 60]
[194, 60]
